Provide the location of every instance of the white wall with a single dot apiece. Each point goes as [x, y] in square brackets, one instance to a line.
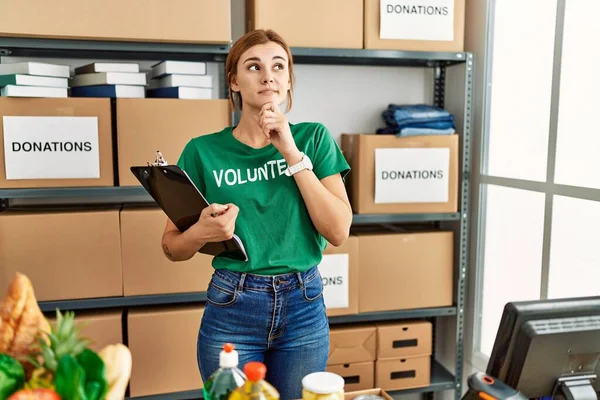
[350, 99]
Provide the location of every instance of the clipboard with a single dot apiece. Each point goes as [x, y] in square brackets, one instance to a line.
[182, 202]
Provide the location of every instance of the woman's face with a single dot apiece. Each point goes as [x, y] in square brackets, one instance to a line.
[262, 75]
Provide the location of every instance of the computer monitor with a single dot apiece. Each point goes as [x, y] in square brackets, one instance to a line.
[549, 348]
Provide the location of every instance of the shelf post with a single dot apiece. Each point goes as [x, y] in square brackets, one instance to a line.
[464, 225]
[439, 86]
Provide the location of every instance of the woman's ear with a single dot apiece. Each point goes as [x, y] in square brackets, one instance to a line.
[233, 84]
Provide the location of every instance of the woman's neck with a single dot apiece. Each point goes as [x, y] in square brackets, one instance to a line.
[248, 131]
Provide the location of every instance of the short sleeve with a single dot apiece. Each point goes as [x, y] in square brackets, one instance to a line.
[328, 158]
[189, 161]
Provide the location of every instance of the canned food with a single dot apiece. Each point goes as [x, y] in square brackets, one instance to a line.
[323, 386]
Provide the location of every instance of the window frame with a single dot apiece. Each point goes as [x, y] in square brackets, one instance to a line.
[481, 180]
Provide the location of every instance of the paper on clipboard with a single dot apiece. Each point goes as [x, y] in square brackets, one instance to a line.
[182, 202]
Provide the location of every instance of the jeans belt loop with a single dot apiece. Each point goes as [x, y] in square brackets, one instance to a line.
[241, 282]
[300, 279]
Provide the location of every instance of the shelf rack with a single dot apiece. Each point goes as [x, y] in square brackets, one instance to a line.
[441, 378]
[200, 297]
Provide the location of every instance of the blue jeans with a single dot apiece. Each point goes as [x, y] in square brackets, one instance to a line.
[278, 320]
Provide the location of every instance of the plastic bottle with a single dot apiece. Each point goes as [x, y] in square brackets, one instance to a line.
[227, 378]
[256, 387]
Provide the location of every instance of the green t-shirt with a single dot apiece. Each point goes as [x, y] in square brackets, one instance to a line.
[273, 221]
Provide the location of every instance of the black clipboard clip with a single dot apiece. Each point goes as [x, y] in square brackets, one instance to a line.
[178, 197]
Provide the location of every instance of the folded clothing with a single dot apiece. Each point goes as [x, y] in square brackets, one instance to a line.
[425, 131]
[410, 131]
[417, 119]
[412, 112]
[415, 115]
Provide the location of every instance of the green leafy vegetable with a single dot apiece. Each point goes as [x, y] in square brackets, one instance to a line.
[70, 379]
[82, 377]
[12, 376]
[95, 374]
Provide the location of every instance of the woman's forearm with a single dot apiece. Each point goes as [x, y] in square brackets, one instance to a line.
[179, 246]
[330, 214]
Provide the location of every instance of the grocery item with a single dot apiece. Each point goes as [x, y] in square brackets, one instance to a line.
[35, 394]
[255, 387]
[323, 386]
[225, 379]
[66, 339]
[12, 375]
[21, 319]
[118, 361]
[43, 362]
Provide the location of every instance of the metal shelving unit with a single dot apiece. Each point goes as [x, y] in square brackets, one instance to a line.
[441, 378]
[200, 297]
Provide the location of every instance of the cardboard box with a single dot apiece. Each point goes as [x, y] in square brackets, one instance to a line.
[146, 270]
[310, 23]
[405, 373]
[197, 21]
[147, 125]
[67, 255]
[376, 392]
[408, 339]
[358, 376]
[67, 152]
[414, 27]
[420, 177]
[399, 271]
[163, 348]
[339, 270]
[354, 344]
[103, 328]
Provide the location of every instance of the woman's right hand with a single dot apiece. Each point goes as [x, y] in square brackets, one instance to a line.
[216, 223]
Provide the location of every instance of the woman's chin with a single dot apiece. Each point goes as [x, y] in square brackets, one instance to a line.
[262, 100]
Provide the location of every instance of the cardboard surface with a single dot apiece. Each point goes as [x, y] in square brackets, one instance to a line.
[372, 40]
[377, 392]
[399, 271]
[350, 247]
[63, 107]
[147, 125]
[358, 376]
[163, 348]
[409, 339]
[146, 270]
[359, 150]
[354, 344]
[198, 21]
[102, 328]
[310, 23]
[67, 255]
[403, 373]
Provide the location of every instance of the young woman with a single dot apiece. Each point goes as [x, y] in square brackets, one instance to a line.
[279, 187]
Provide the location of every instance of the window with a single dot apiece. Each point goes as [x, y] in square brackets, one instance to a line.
[513, 247]
[574, 253]
[521, 88]
[578, 142]
[539, 204]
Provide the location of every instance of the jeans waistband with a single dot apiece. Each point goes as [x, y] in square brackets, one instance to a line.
[264, 282]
